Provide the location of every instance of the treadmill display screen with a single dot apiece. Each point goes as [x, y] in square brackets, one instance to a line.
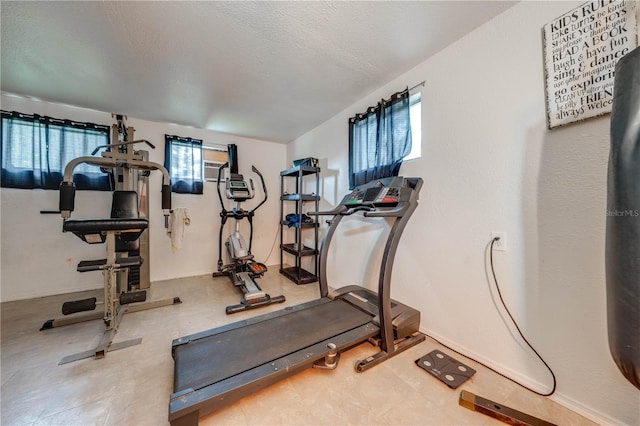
[379, 196]
[371, 194]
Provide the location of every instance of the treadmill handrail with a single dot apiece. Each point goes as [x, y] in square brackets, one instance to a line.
[338, 210]
[368, 209]
[398, 210]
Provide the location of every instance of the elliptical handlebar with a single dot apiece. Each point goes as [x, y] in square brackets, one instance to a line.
[264, 188]
[218, 182]
[256, 171]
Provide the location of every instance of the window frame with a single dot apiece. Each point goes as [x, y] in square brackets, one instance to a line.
[415, 110]
[58, 142]
[211, 165]
[184, 180]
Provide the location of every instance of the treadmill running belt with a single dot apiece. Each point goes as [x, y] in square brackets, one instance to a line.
[208, 360]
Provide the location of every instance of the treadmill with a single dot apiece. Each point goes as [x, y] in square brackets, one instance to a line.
[217, 367]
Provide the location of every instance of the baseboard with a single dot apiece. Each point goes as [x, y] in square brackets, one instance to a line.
[559, 397]
[507, 371]
[586, 411]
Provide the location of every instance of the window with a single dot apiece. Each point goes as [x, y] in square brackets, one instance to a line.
[379, 140]
[36, 149]
[415, 114]
[183, 160]
[213, 159]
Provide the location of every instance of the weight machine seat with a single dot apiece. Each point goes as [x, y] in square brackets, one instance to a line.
[94, 231]
[124, 221]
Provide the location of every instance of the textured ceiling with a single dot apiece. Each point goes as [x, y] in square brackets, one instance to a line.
[269, 70]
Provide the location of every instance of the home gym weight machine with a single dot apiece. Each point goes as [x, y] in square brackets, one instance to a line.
[217, 367]
[241, 268]
[127, 243]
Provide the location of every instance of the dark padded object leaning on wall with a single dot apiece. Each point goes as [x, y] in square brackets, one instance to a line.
[623, 220]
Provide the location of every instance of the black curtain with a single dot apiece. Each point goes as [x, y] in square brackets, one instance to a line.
[379, 139]
[36, 149]
[183, 160]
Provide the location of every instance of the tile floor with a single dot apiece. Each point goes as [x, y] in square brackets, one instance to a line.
[132, 386]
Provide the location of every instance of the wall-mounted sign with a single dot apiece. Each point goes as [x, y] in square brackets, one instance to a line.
[581, 49]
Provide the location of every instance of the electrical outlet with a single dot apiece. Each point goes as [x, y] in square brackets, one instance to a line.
[501, 244]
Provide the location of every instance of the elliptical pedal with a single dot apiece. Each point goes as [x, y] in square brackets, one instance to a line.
[257, 268]
[252, 292]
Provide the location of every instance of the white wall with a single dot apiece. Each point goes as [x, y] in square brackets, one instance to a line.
[39, 260]
[490, 164]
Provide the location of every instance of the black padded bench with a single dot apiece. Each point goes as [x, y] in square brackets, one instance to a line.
[94, 231]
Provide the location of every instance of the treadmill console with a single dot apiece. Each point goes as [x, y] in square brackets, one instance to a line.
[379, 196]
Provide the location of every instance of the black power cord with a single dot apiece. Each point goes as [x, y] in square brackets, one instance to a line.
[275, 239]
[553, 376]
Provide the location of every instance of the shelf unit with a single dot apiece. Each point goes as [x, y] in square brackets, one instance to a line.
[297, 251]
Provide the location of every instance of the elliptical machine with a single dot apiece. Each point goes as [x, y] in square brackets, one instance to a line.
[241, 268]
